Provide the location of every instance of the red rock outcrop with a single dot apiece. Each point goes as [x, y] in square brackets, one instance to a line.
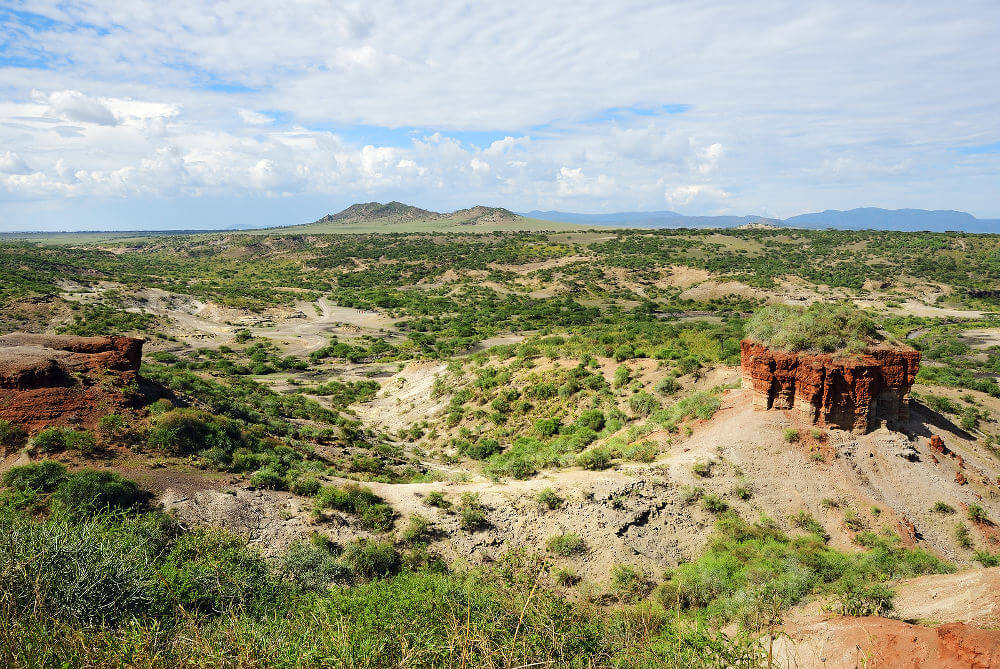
[882, 642]
[63, 380]
[848, 392]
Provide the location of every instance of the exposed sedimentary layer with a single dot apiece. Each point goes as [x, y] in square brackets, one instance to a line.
[848, 392]
[60, 380]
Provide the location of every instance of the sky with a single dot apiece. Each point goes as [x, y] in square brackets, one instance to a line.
[191, 114]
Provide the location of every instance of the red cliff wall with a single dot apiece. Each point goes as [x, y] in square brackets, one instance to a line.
[837, 391]
[62, 380]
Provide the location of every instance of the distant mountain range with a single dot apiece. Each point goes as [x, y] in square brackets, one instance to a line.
[652, 219]
[867, 218]
[398, 214]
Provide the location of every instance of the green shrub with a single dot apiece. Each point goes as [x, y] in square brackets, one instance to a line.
[436, 498]
[50, 440]
[546, 427]
[89, 491]
[549, 498]
[306, 486]
[371, 559]
[977, 514]
[629, 584]
[744, 492]
[594, 459]
[805, 520]
[790, 434]
[481, 449]
[962, 535]
[592, 419]
[269, 477]
[668, 385]
[643, 404]
[702, 468]
[941, 507]
[622, 377]
[312, 565]
[565, 577]
[44, 476]
[417, 529]
[113, 427]
[865, 599]
[98, 572]
[472, 517]
[714, 504]
[180, 431]
[987, 559]
[212, 571]
[378, 517]
[565, 544]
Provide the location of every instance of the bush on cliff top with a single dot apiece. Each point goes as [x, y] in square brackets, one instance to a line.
[820, 328]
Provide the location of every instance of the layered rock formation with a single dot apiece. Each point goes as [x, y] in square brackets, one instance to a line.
[848, 392]
[63, 380]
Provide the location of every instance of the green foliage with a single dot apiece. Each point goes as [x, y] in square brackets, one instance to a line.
[312, 565]
[44, 476]
[702, 468]
[565, 545]
[595, 459]
[865, 599]
[668, 386]
[643, 404]
[714, 504]
[700, 404]
[56, 439]
[436, 498]
[374, 513]
[548, 497]
[962, 535]
[472, 517]
[790, 434]
[371, 559]
[820, 327]
[748, 569]
[628, 583]
[211, 571]
[942, 507]
[592, 419]
[88, 492]
[977, 514]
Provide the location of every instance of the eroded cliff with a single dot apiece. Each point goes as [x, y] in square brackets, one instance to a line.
[64, 380]
[851, 392]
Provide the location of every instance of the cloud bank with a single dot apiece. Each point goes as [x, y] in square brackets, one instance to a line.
[705, 108]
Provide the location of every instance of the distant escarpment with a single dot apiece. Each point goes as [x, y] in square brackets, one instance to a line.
[850, 392]
[64, 380]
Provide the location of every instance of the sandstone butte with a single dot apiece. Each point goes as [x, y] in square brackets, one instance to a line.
[850, 392]
[48, 380]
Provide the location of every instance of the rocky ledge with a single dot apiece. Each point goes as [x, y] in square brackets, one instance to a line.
[850, 392]
[64, 380]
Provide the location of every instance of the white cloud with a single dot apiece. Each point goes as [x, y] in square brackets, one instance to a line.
[75, 106]
[251, 117]
[11, 163]
[160, 98]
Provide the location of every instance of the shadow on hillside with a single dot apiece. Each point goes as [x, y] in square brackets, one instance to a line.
[922, 418]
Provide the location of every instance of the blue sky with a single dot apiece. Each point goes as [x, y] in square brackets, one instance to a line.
[193, 115]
